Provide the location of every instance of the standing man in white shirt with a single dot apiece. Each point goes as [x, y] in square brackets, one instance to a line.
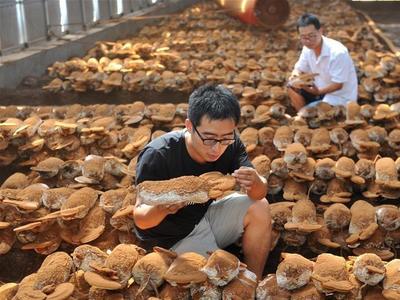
[336, 82]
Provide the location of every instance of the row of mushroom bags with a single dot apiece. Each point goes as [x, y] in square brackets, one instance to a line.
[127, 272]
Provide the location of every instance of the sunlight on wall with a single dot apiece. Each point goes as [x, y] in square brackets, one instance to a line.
[120, 7]
[96, 11]
[63, 15]
[22, 37]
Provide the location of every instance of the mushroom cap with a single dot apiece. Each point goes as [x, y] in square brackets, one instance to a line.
[48, 165]
[353, 116]
[363, 219]
[293, 272]
[369, 268]
[373, 190]
[261, 115]
[266, 135]
[283, 137]
[394, 139]
[337, 216]
[294, 190]
[279, 167]
[303, 136]
[84, 255]
[383, 112]
[365, 168]
[268, 288]
[16, 181]
[8, 290]
[344, 167]
[249, 137]
[121, 260]
[324, 168]
[55, 269]
[304, 217]
[221, 267]
[306, 173]
[85, 198]
[247, 111]
[377, 134]
[330, 274]
[262, 164]
[388, 217]
[174, 292]
[295, 155]
[101, 282]
[62, 291]
[386, 173]
[280, 213]
[392, 280]
[338, 135]
[150, 269]
[338, 187]
[241, 287]
[191, 189]
[308, 291]
[186, 269]
[320, 141]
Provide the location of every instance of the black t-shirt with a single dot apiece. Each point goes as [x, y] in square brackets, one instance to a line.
[167, 157]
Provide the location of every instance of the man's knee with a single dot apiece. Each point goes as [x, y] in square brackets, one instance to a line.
[259, 212]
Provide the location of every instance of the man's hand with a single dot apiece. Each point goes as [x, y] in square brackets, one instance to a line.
[312, 89]
[246, 177]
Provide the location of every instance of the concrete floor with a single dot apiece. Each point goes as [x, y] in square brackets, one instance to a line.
[386, 14]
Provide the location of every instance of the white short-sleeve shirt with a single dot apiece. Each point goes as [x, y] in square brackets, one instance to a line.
[334, 64]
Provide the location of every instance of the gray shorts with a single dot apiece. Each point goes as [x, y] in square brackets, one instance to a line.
[221, 226]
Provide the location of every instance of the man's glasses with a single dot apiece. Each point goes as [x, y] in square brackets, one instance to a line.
[213, 142]
[309, 36]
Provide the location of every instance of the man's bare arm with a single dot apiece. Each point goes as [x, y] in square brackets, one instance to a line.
[148, 216]
[323, 91]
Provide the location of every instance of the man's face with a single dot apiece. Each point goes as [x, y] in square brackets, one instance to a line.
[310, 36]
[208, 130]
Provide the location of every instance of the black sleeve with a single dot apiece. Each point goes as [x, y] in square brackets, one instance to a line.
[151, 165]
[241, 158]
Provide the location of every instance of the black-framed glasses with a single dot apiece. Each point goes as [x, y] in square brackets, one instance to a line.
[213, 142]
[309, 36]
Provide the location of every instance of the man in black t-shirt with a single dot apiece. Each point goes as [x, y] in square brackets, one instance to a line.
[208, 143]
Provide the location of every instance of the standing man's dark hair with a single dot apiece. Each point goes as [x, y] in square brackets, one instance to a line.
[214, 101]
[308, 19]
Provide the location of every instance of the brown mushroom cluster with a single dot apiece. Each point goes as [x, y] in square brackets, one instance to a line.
[127, 272]
[203, 45]
[360, 277]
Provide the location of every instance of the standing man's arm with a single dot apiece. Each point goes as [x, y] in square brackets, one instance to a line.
[325, 90]
[301, 65]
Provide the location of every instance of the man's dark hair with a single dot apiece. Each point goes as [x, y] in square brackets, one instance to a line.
[308, 19]
[215, 102]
